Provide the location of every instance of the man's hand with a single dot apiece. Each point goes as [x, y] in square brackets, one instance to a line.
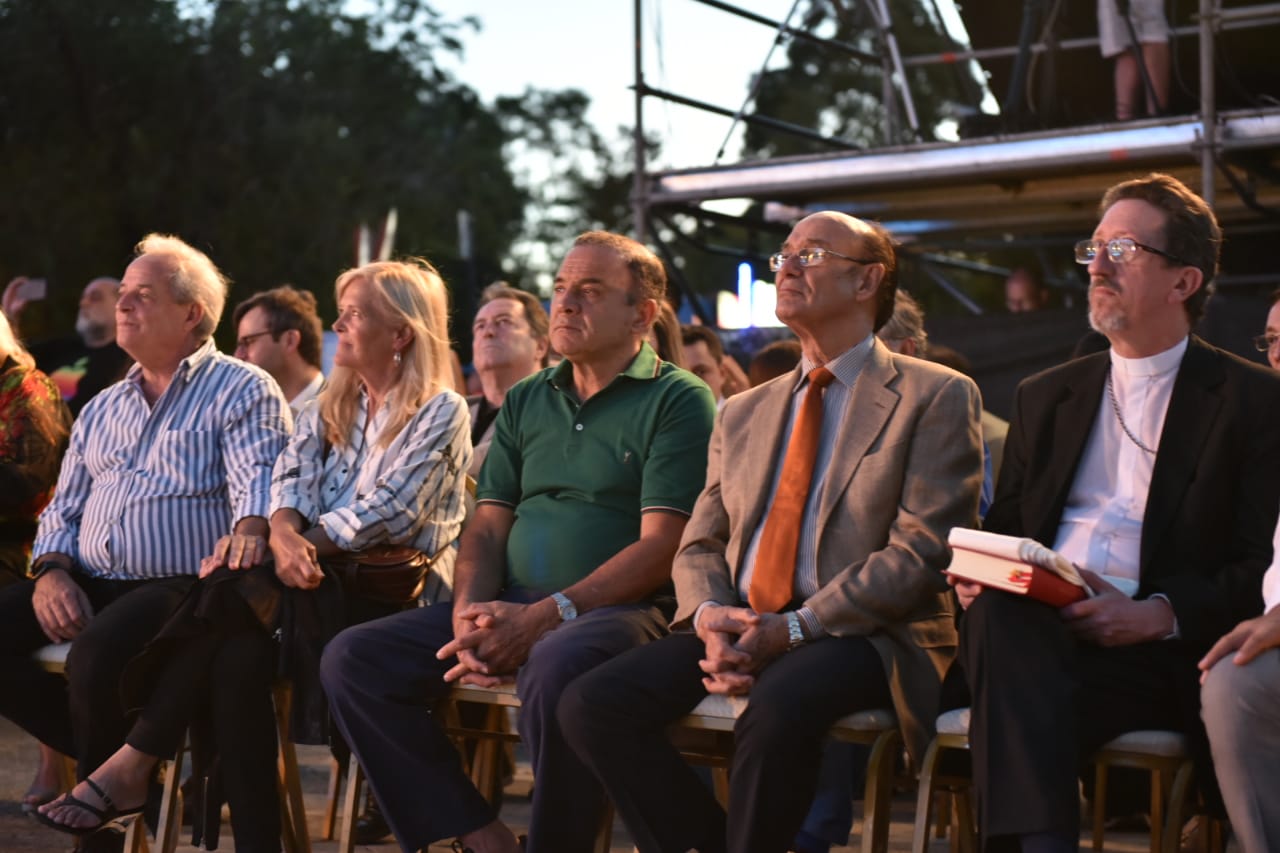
[499, 638]
[61, 606]
[12, 302]
[235, 551]
[1249, 639]
[295, 557]
[727, 667]
[739, 643]
[966, 591]
[1112, 618]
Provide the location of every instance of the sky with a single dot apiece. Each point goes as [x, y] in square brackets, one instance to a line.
[689, 48]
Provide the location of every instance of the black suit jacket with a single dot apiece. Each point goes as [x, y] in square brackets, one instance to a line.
[1215, 488]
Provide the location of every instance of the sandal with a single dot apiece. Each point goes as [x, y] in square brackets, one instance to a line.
[108, 815]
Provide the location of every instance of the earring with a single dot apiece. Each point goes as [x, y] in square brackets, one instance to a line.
[397, 357]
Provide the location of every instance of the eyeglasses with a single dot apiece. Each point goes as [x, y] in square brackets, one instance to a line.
[810, 258]
[1263, 343]
[243, 343]
[1120, 250]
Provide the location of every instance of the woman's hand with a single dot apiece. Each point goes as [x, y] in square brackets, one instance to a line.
[297, 564]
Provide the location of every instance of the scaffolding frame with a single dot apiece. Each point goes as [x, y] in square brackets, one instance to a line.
[1035, 183]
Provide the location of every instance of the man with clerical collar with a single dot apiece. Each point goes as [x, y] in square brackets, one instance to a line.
[1145, 466]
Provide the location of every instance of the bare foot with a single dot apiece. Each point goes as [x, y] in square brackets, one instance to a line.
[48, 781]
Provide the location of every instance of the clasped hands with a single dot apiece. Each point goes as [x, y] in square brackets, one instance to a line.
[739, 643]
[492, 639]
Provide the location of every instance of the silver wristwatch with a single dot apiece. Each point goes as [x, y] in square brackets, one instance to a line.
[565, 606]
[795, 636]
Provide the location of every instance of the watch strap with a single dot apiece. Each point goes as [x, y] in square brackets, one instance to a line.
[565, 606]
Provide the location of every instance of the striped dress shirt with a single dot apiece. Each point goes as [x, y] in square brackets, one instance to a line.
[410, 493]
[146, 491]
[835, 405]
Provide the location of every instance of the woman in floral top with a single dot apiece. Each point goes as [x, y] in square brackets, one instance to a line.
[34, 424]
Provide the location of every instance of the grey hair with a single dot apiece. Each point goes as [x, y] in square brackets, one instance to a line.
[195, 278]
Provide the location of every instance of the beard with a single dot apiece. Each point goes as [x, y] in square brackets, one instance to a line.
[1109, 318]
[89, 331]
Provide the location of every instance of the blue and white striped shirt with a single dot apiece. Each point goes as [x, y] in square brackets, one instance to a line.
[410, 493]
[146, 491]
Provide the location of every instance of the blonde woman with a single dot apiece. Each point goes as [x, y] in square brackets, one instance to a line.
[379, 459]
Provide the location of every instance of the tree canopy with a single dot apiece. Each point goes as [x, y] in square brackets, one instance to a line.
[831, 90]
[262, 131]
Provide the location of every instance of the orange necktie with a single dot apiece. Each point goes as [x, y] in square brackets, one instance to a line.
[775, 567]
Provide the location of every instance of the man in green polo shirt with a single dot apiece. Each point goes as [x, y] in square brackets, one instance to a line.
[594, 468]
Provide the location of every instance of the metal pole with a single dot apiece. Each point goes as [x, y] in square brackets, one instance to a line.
[1208, 106]
[639, 205]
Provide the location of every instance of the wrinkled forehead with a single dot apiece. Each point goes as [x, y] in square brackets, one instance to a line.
[497, 307]
[828, 229]
[101, 288]
[153, 270]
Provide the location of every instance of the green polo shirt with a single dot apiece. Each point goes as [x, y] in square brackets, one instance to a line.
[579, 475]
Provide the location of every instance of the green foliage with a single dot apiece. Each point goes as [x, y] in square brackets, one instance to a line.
[263, 131]
[825, 88]
[577, 178]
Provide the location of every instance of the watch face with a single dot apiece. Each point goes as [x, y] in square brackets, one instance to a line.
[565, 606]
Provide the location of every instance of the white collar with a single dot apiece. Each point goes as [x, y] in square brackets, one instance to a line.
[1150, 366]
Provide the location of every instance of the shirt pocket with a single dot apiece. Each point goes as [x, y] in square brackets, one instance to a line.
[187, 462]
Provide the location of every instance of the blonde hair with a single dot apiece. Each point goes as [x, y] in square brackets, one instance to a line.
[52, 422]
[411, 294]
[195, 278]
[11, 347]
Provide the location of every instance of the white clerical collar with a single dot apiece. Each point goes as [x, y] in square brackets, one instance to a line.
[1152, 365]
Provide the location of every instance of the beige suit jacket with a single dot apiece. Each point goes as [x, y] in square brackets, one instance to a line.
[907, 468]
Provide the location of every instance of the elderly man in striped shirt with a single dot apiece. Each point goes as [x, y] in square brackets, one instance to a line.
[160, 466]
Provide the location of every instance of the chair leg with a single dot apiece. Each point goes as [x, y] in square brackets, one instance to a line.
[1178, 794]
[943, 820]
[720, 784]
[1157, 810]
[294, 808]
[1099, 803]
[604, 834]
[924, 798]
[879, 793]
[331, 800]
[66, 773]
[169, 829]
[135, 837]
[350, 806]
[966, 828]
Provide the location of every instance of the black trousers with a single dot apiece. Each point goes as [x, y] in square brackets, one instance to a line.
[615, 718]
[82, 714]
[1043, 702]
[382, 679]
[223, 678]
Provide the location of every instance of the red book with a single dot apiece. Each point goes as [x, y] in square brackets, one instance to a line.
[1016, 565]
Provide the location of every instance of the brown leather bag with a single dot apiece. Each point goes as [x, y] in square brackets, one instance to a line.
[388, 574]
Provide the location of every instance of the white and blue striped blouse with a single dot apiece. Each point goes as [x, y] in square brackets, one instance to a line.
[410, 493]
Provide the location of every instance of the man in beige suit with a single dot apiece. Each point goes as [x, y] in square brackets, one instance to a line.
[898, 463]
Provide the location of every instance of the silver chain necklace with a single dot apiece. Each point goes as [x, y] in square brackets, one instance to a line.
[1115, 406]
